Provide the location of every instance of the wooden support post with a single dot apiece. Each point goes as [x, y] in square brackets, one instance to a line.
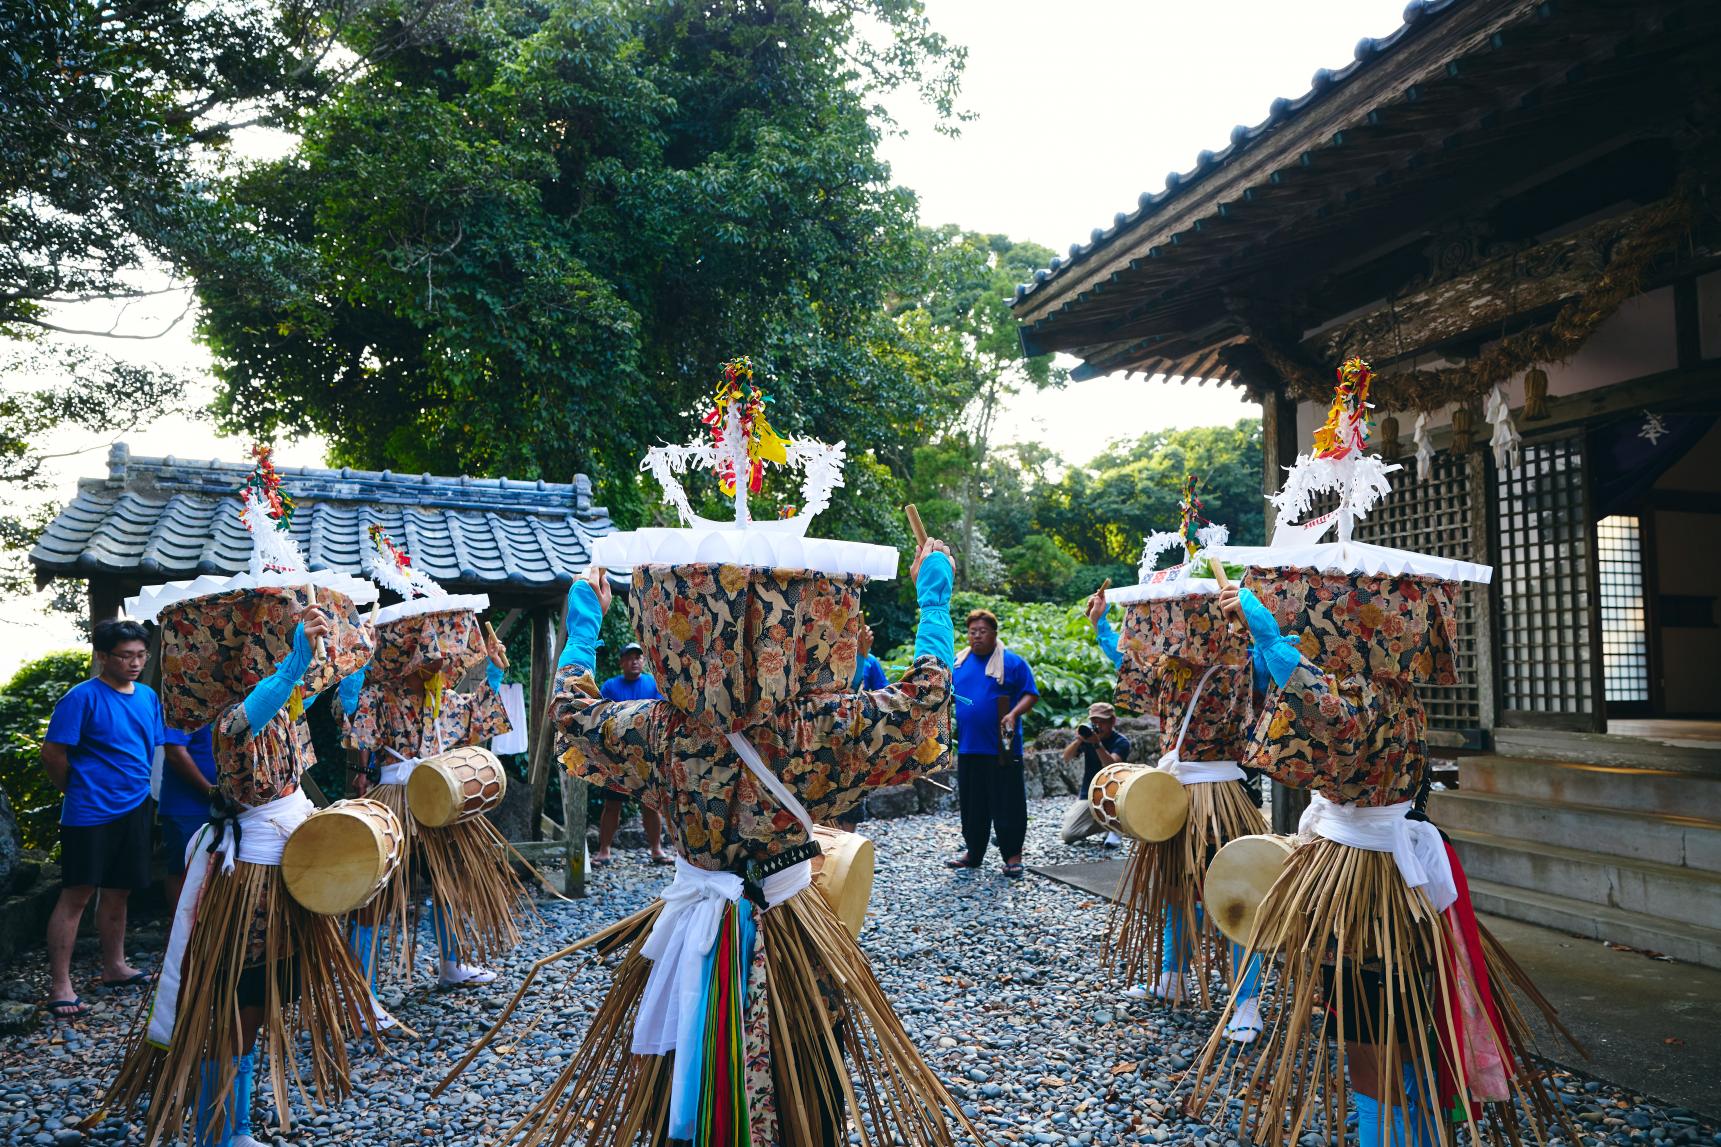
[545, 650]
[574, 832]
[1278, 446]
[105, 600]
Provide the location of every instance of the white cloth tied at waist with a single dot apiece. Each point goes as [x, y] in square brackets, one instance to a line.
[397, 771]
[681, 938]
[1415, 845]
[1201, 772]
[263, 836]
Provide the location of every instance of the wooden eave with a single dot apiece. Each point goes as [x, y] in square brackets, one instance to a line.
[1463, 117]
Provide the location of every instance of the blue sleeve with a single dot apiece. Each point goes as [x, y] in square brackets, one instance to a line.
[175, 737]
[1273, 652]
[493, 675]
[935, 635]
[350, 688]
[271, 693]
[585, 618]
[1123, 747]
[875, 678]
[161, 729]
[606, 690]
[1107, 637]
[66, 726]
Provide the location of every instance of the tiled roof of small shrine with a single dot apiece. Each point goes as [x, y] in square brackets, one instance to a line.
[158, 519]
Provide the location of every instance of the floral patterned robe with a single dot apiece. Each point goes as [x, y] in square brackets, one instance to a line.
[399, 717]
[1167, 645]
[1347, 724]
[768, 654]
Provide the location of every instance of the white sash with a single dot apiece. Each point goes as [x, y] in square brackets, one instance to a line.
[1197, 772]
[686, 929]
[398, 770]
[263, 835]
[1415, 845]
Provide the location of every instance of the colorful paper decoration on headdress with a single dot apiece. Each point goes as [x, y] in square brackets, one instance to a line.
[391, 567]
[1340, 463]
[1194, 533]
[743, 442]
[430, 634]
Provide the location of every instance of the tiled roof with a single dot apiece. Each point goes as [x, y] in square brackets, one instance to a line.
[158, 519]
[1416, 16]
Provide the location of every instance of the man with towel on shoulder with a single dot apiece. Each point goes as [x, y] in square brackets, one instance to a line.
[994, 690]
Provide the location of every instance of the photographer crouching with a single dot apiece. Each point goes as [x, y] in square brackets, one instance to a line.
[1100, 744]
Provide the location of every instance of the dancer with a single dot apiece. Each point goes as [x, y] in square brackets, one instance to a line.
[249, 653]
[1179, 661]
[742, 1011]
[403, 709]
[1369, 914]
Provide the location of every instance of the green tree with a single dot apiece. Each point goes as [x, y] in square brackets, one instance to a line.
[26, 703]
[526, 247]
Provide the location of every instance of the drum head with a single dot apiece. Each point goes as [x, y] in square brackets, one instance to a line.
[1238, 879]
[332, 862]
[1153, 806]
[432, 796]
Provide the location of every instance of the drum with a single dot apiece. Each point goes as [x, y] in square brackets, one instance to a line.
[843, 874]
[1238, 879]
[1139, 801]
[455, 786]
[341, 856]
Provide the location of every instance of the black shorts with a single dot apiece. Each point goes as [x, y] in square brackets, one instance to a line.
[112, 855]
[1365, 992]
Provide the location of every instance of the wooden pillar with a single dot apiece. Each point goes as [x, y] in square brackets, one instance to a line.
[1279, 445]
[574, 832]
[106, 599]
[538, 750]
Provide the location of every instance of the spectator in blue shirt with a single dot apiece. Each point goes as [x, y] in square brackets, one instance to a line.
[187, 783]
[994, 689]
[100, 750]
[633, 683]
[869, 675]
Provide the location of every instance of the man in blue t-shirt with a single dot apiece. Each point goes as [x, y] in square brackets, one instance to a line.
[187, 783]
[869, 675]
[99, 750]
[994, 689]
[633, 683]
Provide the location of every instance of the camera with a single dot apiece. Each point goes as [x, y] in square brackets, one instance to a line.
[1085, 730]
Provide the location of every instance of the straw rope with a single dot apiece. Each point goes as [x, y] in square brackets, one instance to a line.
[470, 873]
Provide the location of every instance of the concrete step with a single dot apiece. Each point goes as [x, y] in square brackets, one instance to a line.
[1639, 886]
[1680, 841]
[1626, 788]
[1609, 749]
[1690, 943]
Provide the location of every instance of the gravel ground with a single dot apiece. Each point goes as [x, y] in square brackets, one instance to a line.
[996, 980]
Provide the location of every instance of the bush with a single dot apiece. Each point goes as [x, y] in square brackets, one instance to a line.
[26, 703]
[1059, 646]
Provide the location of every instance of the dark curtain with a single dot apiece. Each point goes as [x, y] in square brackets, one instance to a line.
[1625, 461]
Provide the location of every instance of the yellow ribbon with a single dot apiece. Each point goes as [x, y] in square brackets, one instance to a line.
[296, 703]
[433, 686]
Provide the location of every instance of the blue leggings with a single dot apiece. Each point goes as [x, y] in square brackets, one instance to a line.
[1179, 949]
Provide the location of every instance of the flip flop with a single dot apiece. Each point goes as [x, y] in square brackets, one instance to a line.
[136, 980]
[602, 861]
[66, 1009]
[1014, 871]
[961, 861]
[662, 859]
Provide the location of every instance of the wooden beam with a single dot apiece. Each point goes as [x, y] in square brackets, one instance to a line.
[546, 648]
[106, 599]
[574, 832]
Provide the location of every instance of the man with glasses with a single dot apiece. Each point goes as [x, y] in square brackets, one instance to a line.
[99, 751]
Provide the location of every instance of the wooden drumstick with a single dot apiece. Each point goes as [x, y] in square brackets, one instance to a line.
[1104, 585]
[1218, 569]
[495, 644]
[915, 524]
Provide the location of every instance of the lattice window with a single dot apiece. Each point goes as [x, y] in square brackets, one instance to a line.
[1547, 664]
[1624, 632]
[1436, 517]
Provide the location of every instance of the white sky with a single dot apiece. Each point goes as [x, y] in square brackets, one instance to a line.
[1082, 105]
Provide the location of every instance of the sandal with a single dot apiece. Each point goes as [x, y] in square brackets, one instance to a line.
[662, 858]
[602, 861]
[66, 1009]
[135, 980]
[1014, 870]
[960, 860]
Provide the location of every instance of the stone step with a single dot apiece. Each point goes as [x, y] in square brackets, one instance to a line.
[1644, 887]
[1626, 788]
[1680, 841]
[1610, 749]
[1690, 943]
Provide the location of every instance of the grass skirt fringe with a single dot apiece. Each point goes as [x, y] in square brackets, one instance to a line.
[332, 1004]
[1165, 877]
[471, 875]
[391, 913]
[1333, 908]
[610, 1096]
